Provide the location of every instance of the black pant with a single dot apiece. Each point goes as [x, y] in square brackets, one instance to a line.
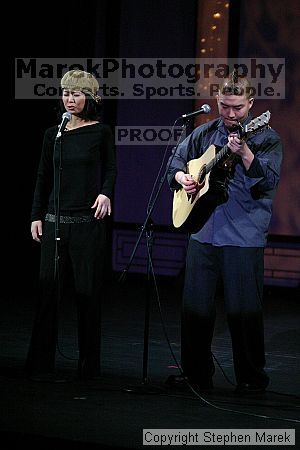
[81, 257]
[242, 272]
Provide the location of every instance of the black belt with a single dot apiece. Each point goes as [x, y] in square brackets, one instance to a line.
[69, 219]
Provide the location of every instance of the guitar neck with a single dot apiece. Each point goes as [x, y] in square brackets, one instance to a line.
[255, 126]
[225, 151]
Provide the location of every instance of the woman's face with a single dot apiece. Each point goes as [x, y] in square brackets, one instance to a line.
[73, 101]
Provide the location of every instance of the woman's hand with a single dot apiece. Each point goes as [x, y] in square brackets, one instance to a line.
[36, 230]
[103, 206]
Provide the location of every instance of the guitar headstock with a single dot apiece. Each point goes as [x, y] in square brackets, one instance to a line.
[257, 124]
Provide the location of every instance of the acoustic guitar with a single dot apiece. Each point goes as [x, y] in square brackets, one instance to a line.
[192, 211]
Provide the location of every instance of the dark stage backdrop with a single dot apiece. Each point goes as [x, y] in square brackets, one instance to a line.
[158, 30]
[270, 29]
[134, 29]
[267, 29]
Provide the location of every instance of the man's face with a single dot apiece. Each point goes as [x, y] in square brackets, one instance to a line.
[233, 109]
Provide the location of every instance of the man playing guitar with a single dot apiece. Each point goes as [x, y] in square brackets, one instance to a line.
[228, 248]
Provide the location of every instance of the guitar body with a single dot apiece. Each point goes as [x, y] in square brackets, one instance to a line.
[183, 203]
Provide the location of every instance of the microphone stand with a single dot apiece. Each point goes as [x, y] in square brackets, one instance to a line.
[149, 244]
[57, 144]
[148, 227]
[66, 117]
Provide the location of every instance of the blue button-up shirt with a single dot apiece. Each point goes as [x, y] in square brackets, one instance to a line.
[243, 220]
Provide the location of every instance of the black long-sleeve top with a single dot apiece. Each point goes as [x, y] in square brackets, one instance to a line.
[88, 168]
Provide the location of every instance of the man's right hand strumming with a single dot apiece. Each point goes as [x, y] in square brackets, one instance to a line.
[187, 182]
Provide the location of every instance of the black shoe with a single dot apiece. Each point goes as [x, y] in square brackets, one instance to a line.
[180, 381]
[249, 388]
[46, 378]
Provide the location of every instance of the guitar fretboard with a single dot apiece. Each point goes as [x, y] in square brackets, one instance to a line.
[225, 151]
[255, 126]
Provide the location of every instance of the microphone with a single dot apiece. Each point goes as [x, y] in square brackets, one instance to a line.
[65, 119]
[205, 109]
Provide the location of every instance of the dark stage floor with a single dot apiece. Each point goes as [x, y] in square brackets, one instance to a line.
[112, 412]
